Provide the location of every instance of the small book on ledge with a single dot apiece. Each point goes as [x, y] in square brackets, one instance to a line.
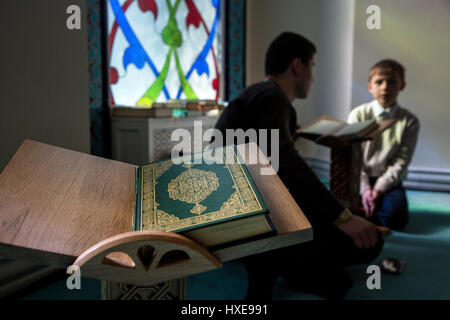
[333, 132]
[172, 108]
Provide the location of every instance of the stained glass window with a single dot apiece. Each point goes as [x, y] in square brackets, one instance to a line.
[164, 49]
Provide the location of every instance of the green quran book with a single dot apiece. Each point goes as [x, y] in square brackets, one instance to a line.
[213, 204]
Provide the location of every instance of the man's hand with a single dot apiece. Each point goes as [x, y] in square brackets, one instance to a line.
[363, 232]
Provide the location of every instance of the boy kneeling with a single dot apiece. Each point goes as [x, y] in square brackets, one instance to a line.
[386, 158]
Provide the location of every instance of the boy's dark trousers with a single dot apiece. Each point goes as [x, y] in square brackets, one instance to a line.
[392, 208]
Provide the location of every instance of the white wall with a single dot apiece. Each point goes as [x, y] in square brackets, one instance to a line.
[44, 76]
[329, 25]
[334, 67]
[416, 33]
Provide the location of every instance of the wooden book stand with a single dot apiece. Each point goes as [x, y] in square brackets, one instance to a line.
[59, 207]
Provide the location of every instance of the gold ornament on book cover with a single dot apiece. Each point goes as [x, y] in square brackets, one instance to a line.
[193, 186]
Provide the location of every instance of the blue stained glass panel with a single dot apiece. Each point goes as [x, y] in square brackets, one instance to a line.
[164, 49]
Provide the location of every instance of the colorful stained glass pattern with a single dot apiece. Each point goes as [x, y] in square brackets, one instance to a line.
[164, 49]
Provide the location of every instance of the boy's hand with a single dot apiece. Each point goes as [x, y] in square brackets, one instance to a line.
[363, 232]
[369, 200]
[368, 203]
[375, 195]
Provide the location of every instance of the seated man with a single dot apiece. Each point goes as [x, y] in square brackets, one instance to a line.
[386, 158]
[340, 238]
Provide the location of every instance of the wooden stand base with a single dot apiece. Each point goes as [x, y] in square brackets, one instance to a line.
[345, 175]
[169, 290]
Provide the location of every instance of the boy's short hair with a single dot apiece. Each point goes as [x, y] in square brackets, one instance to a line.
[286, 47]
[388, 65]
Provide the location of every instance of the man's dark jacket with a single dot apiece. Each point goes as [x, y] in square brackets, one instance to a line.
[265, 106]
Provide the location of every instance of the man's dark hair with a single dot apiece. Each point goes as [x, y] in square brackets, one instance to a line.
[285, 48]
